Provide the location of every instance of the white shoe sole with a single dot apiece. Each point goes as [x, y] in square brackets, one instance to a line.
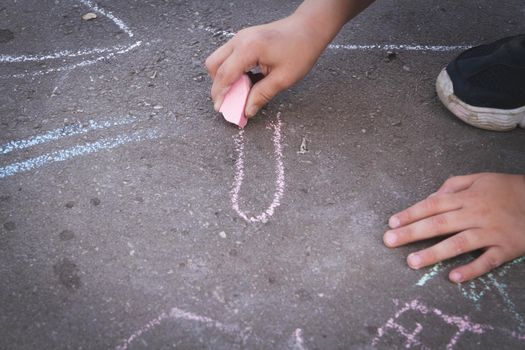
[484, 118]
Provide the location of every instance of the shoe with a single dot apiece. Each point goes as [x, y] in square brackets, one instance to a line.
[485, 85]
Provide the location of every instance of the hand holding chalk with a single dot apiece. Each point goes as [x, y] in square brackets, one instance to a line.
[284, 50]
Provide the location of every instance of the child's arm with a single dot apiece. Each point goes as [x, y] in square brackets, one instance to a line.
[481, 211]
[285, 50]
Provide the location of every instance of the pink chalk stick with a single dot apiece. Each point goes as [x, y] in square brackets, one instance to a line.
[232, 107]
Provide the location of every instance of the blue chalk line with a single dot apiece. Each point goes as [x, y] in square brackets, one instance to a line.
[66, 131]
[77, 151]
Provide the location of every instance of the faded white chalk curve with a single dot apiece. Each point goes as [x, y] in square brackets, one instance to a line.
[279, 173]
[76, 151]
[118, 22]
[108, 53]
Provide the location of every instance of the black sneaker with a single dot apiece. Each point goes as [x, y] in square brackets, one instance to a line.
[485, 85]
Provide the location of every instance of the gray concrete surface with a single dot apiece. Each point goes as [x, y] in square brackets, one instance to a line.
[133, 241]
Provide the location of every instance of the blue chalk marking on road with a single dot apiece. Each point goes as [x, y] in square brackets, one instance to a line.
[430, 275]
[70, 130]
[477, 289]
[440, 266]
[77, 151]
[511, 307]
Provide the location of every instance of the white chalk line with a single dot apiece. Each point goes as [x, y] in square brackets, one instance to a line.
[66, 53]
[178, 314]
[109, 15]
[109, 52]
[399, 47]
[279, 170]
[73, 66]
[368, 47]
[56, 55]
[66, 131]
[77, 151]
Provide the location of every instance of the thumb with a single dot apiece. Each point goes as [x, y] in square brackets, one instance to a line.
[262, 92]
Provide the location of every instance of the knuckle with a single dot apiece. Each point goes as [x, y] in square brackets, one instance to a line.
[432, 203]
[264, 96]
[406, 234]
[438, 221]
[429, 256]
[459, 243]
[280, 83]
[405, 216]
[491, 262]
[450, 181]
[220, 74]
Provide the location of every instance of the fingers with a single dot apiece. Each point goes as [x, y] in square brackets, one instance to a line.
[214, 61]
[230, 70]
[433, 226]
[262, 92]
[458, 183]
[488, 261]
[455, 245]
[428, 207]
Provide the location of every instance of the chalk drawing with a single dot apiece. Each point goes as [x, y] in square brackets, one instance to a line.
[434, 271]
[399, 47]
[475, 290]
[462, 325]
[241, 335]
[77, 151]
[118, 22]
[279, 170]
[56, 55]
[66, 131]
[296, 341]
[75, 65]
[366, 47]
[178, 314]
[109, 52]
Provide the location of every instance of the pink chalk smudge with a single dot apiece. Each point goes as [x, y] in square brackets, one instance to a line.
[462, 323]
[279, 172]
[178, 314]
[297, 341]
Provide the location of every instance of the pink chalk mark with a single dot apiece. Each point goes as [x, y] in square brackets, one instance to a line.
[297, 341]
[178, 314]
[232, 107]
[462, 323]
[279, 181]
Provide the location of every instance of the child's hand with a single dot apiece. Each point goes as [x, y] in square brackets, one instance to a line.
[284, 50]
[481, 211]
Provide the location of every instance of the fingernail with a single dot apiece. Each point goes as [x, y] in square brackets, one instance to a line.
[251, 111]
[394, 222]
[390, 238]
[456, 277]
[217, 105]
[220, 98]
[414, 260]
